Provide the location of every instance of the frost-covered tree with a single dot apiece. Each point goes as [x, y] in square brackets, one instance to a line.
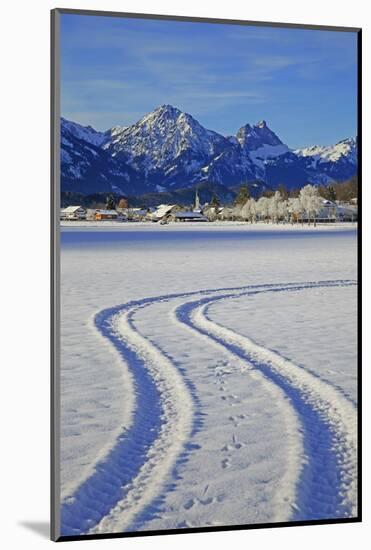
[210, 212]
[249, 211]
[253, 210]
[263, 208]
[236, 211]
[245, 211]
[283, 210]
[295, 209]
[273, 207]
[311, 201]
[227, 213]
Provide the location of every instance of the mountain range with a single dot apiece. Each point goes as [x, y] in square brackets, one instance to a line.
[168, 150]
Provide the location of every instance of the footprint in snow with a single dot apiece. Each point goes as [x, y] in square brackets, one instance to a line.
[197, 501]
[226, 463]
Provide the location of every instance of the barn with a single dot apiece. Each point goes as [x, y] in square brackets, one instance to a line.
[189, 216]
[73, 213]
[101, 215]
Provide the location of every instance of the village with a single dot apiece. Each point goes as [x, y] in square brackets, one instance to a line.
[308, 207]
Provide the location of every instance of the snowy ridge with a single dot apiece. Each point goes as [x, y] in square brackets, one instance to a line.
[85, 133]
[346, 148]
[171, 149]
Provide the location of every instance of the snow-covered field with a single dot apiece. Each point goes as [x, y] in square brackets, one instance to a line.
[109, 225]
[208, 375]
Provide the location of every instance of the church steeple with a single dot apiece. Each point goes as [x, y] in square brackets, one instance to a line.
[197, 202]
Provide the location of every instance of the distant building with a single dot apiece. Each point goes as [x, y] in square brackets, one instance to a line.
[73, 213]
[347, 213]
[163, 211]
[136, 214]
[189, 216]
[133, 214]
[101, 215]
[90, 214]
[328, 211]
[336, 211]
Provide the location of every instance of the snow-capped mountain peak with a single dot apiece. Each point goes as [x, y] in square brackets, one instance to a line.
[331, 153]
[254, 137]
[169, 149]
[164, 135]
[260, 143]
[86, 133]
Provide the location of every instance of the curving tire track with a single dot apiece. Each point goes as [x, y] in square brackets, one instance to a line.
[133, 472]
[327, 486]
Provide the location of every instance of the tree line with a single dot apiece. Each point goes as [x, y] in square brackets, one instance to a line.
[274, 208]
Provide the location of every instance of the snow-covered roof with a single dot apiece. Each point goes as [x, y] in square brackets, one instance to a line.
[139, 211]
[347, 209]
[71, 209]
[326, 202]
[163, 209]
[107, 212]
[189, 214]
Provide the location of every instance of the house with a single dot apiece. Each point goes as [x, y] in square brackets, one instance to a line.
[133, 214]
[136, 214]
[188, 216]
[90, 214]
[140, 214]
[328, 211]
[335, 211]
[163, 211]
[347, 213]
[101, 215]
[73, 213]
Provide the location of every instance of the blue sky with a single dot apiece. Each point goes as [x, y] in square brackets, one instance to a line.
[302, 82]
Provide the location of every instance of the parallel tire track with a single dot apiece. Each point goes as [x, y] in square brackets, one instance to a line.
[327, 486]
[133, 472]
[130, 476]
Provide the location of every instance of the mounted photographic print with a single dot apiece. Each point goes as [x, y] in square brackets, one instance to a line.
[205, 210]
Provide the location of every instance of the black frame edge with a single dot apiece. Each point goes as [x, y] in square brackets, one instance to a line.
[223, 528]
[359, 270]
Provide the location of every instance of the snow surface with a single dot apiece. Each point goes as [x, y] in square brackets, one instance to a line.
[188, 406]
[217, 226]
